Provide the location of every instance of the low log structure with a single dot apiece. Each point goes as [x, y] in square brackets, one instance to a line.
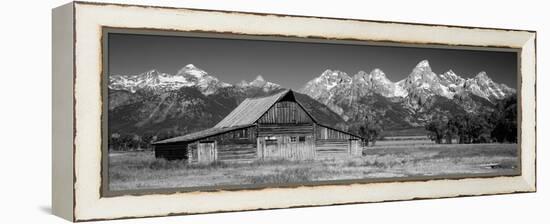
[266, 128]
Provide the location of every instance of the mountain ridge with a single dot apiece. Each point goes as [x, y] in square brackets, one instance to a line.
[421, 77]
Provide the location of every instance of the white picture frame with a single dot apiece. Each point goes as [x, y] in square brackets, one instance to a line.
[77, 110]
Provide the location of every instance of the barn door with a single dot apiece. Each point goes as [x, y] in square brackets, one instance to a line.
[355, 150]
[269, 147]
[206, 152]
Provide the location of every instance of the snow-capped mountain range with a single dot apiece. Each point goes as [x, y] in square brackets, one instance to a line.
[188, 76]
[421, 81]
[412, 101]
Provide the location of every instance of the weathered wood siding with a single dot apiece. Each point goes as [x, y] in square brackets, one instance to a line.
[332, 148]
[286, 141]
[192, 153]
[236, 152]
[245, 135]
[282, 147]
[356, 149]
[330, 143]
[171, 151]
[238, 145]
[206, 152]
[273, 129]
[322, 132]
[285, 112]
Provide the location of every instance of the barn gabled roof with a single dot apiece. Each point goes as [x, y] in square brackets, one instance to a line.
[245, 115]
[201, 134]
[252, 109]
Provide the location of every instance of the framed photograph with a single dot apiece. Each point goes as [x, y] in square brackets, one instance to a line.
[169, 111]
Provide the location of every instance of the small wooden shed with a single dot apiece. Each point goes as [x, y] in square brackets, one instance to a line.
[272, 127]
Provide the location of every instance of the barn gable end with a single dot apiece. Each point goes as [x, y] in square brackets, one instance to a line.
[285, 112]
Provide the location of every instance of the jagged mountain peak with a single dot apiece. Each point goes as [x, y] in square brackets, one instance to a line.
[152, 71]
[242, 83]
[334, 74]
[259, 81]
[148, 74]
[328, 79]
[482, 76]
[259, 78]
[377, 73]
[424, 64]
[192, 70]
[450, 72]
[361, 75]
[483, 86]
[451, 78]
[422, 73]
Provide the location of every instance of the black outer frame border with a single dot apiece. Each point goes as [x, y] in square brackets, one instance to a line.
[74, 3]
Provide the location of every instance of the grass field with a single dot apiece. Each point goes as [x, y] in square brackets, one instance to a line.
[402, 158]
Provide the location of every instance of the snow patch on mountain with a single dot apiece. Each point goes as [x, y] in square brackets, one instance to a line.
[259, 82]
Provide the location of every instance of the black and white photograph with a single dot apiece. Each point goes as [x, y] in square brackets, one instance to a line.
[216, 112]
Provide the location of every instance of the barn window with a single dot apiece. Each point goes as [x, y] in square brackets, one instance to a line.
[293, 139]
[270, 140]
[302, 138]
[241, 134]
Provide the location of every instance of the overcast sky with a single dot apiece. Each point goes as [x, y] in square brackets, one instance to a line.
[292, 64]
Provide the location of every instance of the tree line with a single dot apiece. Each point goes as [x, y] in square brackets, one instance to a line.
[499, 125]
[134, 142]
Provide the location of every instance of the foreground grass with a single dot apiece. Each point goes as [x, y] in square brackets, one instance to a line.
[140, 170]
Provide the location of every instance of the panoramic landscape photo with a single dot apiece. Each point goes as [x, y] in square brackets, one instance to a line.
[192, 112]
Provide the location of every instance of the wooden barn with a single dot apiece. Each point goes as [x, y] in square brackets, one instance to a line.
[272, 127]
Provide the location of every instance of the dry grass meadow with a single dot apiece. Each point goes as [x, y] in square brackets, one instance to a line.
[394, 158]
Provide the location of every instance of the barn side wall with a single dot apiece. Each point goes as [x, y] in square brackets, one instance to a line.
[331, 143]
[234, 146]
[171, 151]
